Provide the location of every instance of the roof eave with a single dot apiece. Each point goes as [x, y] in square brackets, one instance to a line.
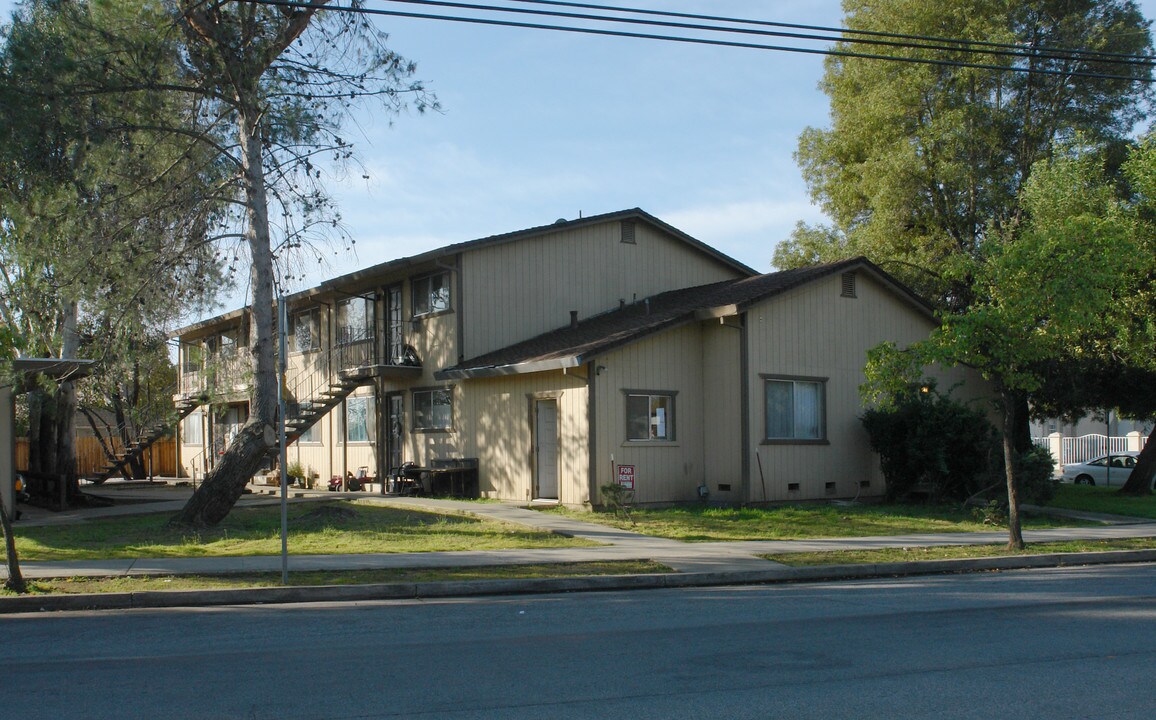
[534, 366]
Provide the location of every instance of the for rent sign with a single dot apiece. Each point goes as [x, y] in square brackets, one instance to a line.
[626, 476]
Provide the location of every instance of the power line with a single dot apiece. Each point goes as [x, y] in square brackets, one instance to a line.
[896, 40]
[493, 22]
[841, 33]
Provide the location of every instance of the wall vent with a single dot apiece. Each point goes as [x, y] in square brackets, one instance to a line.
[848, 285]
[628, 231]
[864, 483]
[792, 487]
[724, 487]
[830, 488]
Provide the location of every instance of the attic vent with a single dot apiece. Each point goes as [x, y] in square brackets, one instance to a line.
[848, 285]
[628, 231]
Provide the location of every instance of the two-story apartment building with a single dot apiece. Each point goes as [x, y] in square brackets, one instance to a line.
[566, 356]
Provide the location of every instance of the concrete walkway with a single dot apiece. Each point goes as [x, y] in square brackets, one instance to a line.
[707, 558]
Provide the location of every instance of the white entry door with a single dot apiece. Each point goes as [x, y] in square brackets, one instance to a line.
[546, 452]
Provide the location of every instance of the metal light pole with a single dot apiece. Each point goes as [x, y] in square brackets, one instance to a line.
[283, 351]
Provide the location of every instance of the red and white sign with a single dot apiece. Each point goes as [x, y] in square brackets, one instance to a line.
[626, 476]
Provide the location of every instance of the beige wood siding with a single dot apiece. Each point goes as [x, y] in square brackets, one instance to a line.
[495, 423]
[669, 362]
[722, 409]
[517, 290]
[814, 332]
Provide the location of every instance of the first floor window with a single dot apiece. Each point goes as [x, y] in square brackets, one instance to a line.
[313, 433]
[359, 425]
[191, 433]
[433, 409]
[649, 416]
[795, 409]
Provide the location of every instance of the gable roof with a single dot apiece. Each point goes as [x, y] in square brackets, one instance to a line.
[538, 231]
[574, 345]
[373, 272]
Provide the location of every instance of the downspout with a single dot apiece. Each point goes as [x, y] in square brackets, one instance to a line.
[591, 431]
[745, 404]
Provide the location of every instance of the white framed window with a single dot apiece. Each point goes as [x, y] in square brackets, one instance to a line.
[306, 330]
[795, 409]
[431, 294]
[433, 409]
[649, 416]
[359, 423]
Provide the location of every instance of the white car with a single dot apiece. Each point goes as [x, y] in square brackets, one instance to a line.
[1107, 470]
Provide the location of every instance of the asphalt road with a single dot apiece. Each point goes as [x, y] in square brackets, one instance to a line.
[1057, 643]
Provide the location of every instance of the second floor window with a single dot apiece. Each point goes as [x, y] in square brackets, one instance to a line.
[431, 294]
[354, 320]
[225, 345]
[306, 330]
[192, 358]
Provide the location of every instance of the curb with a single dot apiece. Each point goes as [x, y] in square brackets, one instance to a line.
[535, 586]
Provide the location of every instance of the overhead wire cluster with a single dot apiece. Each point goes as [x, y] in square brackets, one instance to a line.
[744, 33]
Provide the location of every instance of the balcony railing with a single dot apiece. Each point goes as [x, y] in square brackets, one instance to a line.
[358, 356]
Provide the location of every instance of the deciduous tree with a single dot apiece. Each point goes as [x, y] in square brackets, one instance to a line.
[1054, 284]
[280, 80]
[102, 221]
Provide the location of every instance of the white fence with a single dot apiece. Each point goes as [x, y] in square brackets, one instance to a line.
[1067, 450]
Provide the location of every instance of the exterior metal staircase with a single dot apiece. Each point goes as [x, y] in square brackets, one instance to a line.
[309, 411]
[137, 448]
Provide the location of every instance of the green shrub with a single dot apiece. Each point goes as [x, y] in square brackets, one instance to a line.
[932, 445]
[1035, 476]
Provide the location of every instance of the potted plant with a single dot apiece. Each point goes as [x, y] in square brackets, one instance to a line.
[295, 472]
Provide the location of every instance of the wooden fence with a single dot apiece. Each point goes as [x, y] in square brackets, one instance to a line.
[90, 457]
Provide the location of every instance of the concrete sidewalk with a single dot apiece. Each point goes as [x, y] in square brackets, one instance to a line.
[710, 563]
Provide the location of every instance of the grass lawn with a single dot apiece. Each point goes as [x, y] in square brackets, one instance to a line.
[700, 523]
[72, 586]
[1104, 500]
[314, 529]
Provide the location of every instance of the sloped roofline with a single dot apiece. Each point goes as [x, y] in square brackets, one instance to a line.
[454, 249]
[675, 308]
[357, 276]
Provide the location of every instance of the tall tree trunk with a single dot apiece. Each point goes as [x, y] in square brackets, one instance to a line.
[15, 581]
[1010, 413]
[1140, 481]
[65, 461]
[226, 483]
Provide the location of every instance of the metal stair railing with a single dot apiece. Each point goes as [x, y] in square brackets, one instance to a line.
[312, 393]
[145, 439]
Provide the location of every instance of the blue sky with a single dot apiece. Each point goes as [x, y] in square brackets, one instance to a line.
[538, 126]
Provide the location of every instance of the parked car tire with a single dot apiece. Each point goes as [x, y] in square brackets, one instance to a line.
[1085, 480]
